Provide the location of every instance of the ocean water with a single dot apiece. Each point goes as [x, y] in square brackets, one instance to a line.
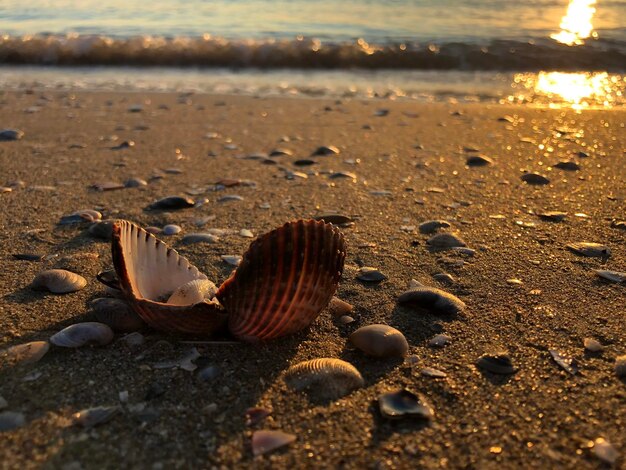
[452, 49]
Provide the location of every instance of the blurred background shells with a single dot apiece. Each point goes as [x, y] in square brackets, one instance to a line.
[82, 334]
[59, 281]
[380, 341]
[325, 378]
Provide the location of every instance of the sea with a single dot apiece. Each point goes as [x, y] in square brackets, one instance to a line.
[533, 52]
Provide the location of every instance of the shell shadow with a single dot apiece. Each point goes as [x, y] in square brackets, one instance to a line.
[496, 379]
[419, 324]
[27, 295]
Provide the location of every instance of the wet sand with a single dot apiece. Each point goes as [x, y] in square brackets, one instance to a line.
[540, 417]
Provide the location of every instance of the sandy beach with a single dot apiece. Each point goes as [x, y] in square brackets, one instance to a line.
[400, 164]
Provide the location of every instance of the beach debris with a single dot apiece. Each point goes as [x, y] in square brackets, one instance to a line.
[336, 219]
[380, 341]
[568, 364]
[81, 216]
[192, 238]
[264, 441]
[613, 276]
[432, 299]
[535, 178]
[567, 165]
[445, 240]
[59, 281]
[498, 362]
[171, 203]
[102, 229]
[592, 250]
[593, 345]
[308, 284]
[439, 341]
[431, 226]
[185, 362]
[324, 378]
[325, 150]
[256, 414]
[135, 182]
[433, 373]
[478, 160]
[83, 334]
[10, 420]
[620, 366]
[171, 229]
[91, 417]
[117, 314]
[27, 353]
[339, 307]
[7, 135]
[370, 274]
[404, 403]
[605, 451]
[552, 216]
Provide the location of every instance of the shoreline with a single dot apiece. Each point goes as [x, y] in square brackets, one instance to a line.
[410, 167]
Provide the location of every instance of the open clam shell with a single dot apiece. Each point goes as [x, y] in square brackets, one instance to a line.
[150, 272]
[285, 279]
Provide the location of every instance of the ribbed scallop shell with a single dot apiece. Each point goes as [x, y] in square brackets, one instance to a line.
[284, 280]
[326, 378]
[149, 272]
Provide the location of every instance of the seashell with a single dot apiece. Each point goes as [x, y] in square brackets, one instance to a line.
[102, 229]
[199, 238]
[553, 216]
[339, 307]
[369, 274]
[281, 152]
[245, 233]
[403, 403]
[621, 224]
[193, 292]
[593, 345]
[343, 174]
[534, 178]
[445, 240]
[326, 378]
[10, 420]
[107, 186]
[439, 341]
[613, 276]
[594, 250]
[325, 150]
[496, 363]
[605, 451]
[117, 314]
[233, 260]
[567, 165]
[620, 366]
[82, 334]
[431, 226]
[230, 197]
[265, 441]
[433, 299]
[380, 341]
[10, 134]
[346, 319]
[91, 417]
[433, 373]
[135, 182]
[27, 353]
[478, 160]
[81, 216]
[171, 229]
[59, 281]
[444, 278]
[568, 364]
[285, 279]
[149, 272]
[171, 203]
[255, 415]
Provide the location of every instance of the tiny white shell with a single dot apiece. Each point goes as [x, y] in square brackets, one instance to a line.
[193, 292]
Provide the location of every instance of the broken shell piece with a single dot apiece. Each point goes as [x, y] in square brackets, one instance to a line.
[256, 414]
[431, 298]
[433, 373]
[82, 334]
[613, 276]
[193, 292]
[27, 353]
[117, 314]
[380, 341]
[91, 417]
[593, 345]
[497, 363]
[369, 274]
[149, 273]
[326, 378]
[593, 250]
[431, 226]
[404, 403]
[265, 441]
[568, 364]
[284, 281]
[59, 281]
[233, 260]
[445, 240]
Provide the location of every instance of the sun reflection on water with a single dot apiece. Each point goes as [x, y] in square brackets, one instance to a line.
[576, 24]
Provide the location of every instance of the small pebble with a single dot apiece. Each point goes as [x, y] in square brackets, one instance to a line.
[171, 229]
[91, 417]
[592, 250]
[439, 341]
[171, 203]
[339, 307]
[567, 165]
[10, 134]
[431, 226]
[593, 345]
[445, 240]
[496, 363]
[369, 274]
